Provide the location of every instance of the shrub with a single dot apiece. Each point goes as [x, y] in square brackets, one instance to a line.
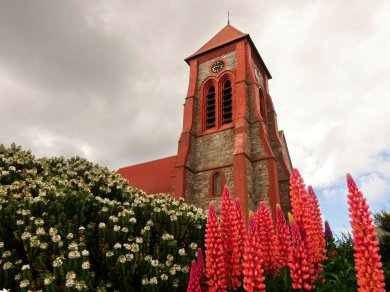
[71, 224]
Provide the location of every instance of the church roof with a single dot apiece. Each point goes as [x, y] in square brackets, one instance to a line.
[152, 177]
[225, 36]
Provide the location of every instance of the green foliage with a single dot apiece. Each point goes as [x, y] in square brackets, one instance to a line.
[382, 221]
[70, 224]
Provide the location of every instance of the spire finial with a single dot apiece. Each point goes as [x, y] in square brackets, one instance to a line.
[228, 17]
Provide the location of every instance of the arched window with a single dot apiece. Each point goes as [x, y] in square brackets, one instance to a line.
[227, 102]
[210, 108]
[262, 106]
[217, 184]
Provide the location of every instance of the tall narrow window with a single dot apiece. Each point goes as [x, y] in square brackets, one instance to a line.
[217, 184]
[210, 108]
[262, 106]
[227, 103]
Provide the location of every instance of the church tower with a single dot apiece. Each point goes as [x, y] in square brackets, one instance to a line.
[230, 133]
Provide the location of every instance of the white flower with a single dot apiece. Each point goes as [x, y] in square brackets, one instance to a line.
[164, 277]
[175, 283]
[85, 253]
[43, 245]
[170, 257]
[6, 254]
[102, 225]
[48, 280]
[25, 267]
[39, 221]
[139, 240]
[172, 271]
[173, 218]
[52, 231]
[148, 258]
[132, 220]
[149, 223]
[24, 283]
[26, 212]
[81, 285]
[70, 282]
[104, 209]
[129, 257]
[117, 245]
[121, 259]
[185, 269]
[57, 262]
[125, 229]
[81, 228]
[85, 265]
[1, 244]
[19, 222]
[153, 281]
[40, 231]
[56, 238]
[167, 236]
[26, 235]
[17, 277]
[71, 275]
[117, 228]
[74, 254]
[154, 263]
[113, 218]
[109, 254]
[177, 267]
[193, 245]
[134, 247]
[145, 281]
[73, 246]
[182, 252]
[69, 236]
[7, 265]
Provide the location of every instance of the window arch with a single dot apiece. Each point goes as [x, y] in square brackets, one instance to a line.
[217, 181]
[226, 101]
[210, 107]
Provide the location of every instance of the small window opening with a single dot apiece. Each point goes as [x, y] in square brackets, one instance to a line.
[217, 184]
[210, 108]
[227, 103]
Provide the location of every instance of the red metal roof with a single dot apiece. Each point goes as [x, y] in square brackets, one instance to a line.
[152, 177]
[226, 35]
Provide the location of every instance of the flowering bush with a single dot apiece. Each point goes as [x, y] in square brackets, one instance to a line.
[70, 224]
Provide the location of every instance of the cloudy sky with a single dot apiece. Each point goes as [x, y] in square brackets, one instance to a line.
[106, 80]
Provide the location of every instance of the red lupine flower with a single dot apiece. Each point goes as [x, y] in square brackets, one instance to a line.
[306, 212]
[215, 262]
[283, 239]
[267, 238]
[319, 249]
[201, 267]
[370, 276]
[230, 234]
[241, 224]
[253, 260]
[195, 277]
[299, 265]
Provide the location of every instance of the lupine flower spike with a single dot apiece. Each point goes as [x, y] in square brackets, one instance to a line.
[267, 237]
[328, 232]
[299, 266]
[369, 276]
[195, 277]
[283, 239]
[215, 262]
[230, 234]
[253, 260]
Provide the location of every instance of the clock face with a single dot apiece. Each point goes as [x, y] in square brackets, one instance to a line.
[217, 66]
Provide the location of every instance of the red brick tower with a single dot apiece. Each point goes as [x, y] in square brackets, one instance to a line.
[230, 134]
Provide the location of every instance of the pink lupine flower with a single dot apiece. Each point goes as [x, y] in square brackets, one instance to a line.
[370, 275]
[299, 265]
[215, 262]
[230, 234]
[267, 238]
[253, 260]
[241, 224]
[283, 239]
[195, 277]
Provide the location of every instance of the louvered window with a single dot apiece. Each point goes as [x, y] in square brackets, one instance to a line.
[210, 108]
[227, 103]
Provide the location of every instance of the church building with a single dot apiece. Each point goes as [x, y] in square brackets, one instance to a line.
[230, 133]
